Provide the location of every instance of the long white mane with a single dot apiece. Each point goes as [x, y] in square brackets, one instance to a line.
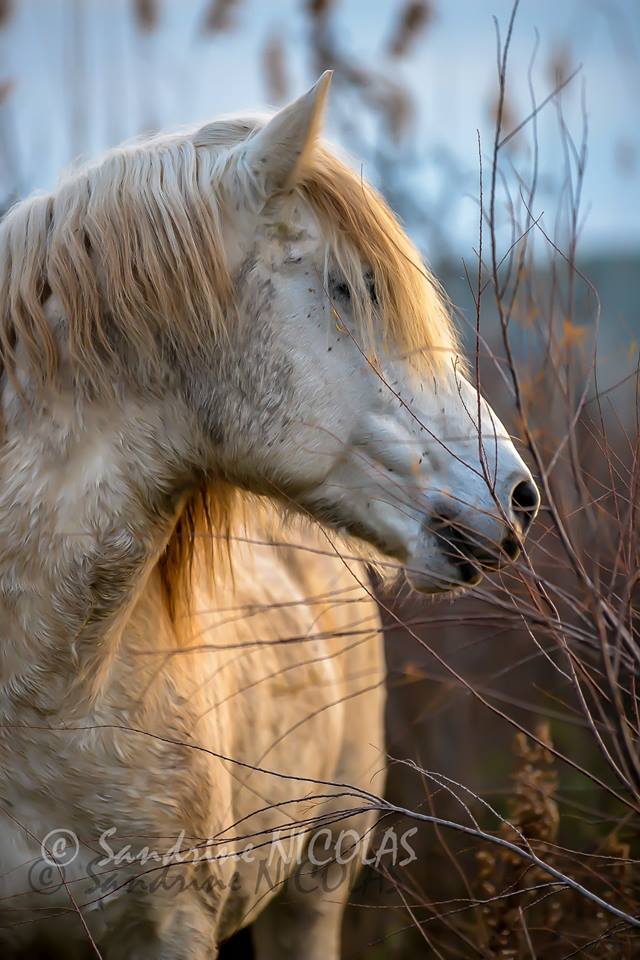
[131, 246]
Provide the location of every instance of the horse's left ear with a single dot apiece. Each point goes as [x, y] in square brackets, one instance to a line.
[277, 153]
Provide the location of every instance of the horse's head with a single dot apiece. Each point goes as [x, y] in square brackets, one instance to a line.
[240, 305]
[349, 399]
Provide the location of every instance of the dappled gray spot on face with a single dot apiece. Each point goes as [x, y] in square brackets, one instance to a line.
[245, 391]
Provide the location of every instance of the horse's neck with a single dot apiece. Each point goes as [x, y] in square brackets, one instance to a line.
[85, 510]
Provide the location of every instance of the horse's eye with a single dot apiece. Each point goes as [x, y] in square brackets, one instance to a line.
[342, 290]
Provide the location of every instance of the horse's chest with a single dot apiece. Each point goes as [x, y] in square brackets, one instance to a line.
[41, 823]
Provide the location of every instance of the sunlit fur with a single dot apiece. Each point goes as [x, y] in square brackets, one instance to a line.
[159, 205]
[132, 383]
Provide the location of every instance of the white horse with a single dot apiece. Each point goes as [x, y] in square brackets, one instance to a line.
[200, 336]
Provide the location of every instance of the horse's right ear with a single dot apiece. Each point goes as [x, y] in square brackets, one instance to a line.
[275, 155]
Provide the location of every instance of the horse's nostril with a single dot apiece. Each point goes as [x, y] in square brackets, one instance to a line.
[525, 501]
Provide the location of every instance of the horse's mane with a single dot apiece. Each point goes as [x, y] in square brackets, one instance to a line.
[131, 249]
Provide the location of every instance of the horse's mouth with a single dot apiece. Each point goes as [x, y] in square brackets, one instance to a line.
[463, 573]
[467, 557]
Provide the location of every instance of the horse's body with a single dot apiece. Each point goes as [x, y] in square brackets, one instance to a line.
[212, 316]
[283, 671]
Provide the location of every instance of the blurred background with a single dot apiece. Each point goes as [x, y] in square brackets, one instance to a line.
[415, 101]
[416, 80]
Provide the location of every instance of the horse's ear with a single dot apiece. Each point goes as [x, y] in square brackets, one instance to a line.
[277, 153]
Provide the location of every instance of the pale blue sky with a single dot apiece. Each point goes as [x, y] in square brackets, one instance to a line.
[451, 73]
